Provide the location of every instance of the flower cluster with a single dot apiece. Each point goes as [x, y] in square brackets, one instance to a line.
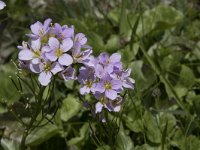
[105, 78]
[52, 49]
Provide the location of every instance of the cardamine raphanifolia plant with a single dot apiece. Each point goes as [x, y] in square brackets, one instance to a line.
[53, 50]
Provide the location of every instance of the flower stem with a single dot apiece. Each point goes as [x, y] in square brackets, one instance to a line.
[29, 127]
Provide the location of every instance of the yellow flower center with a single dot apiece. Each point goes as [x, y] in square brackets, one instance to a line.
[45, 39]
[103, 100]
[88, 83]
[41, 32]
[78, 56]
[37, 54]
[59, 52]
[107, 61]
[107, 86]
[47, 67]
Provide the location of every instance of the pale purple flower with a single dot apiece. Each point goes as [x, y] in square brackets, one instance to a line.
[91, 61]
[124, 77]
[24, 65]
[32, 54]
[80, 56]
[101, 70]
[86, 78]
[105, 59]
[68, 74]
[98, 107]
[2, 5]
[110, 105]
[63, 32]
[80, 38]
[36, 68]
[39, 30]
[47, 70]
[109, 86]
[58, 51]
[115, 105]
[127, 81]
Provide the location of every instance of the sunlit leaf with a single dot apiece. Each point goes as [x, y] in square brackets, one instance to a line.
[9, 144]
[124, 142]
[70, 108]
[160, 17]
[41, 134]
[82, 136]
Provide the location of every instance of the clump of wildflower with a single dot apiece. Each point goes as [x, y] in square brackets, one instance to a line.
[53, 49]
[106, 79]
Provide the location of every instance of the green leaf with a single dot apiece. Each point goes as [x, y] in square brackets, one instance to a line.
[187, 77]
[69, 108]
[113, 15]
[9, 92]
[136, 67]
[124, 142]
[113, 43]
[134, 120]
[104, 147]
[152, 130]
[196, 51]
[187, 143]
[170, 120]
[160, 17]
[124, 26]
[41, 134]
[69, 84]
[164, 136]
[9, 144]
[144, 147]
[82, 136]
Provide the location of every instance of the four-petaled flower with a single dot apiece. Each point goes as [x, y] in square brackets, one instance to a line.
[58, 51]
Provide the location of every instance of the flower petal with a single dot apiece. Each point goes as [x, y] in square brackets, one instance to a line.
[104, 58]
[51, 56]
[36, 60]
[68, 73]
[116, 57]
[35, 45]
[116, 84]
[111, 94]
[56, 67]
[66, 45]
[76, 50]
[69, 32]
[84, 90]
[47, 23]
[25, 55]
[36, 27]
[2, 5]
[80, 37]
[65, 60]
[129, 83]
[45, 78]
[33, 36]
[98, 87]
[98, 107]
[46, 49]
[36, 68]
[53, 43]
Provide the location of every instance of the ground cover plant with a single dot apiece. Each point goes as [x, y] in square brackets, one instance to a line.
[131, 79]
